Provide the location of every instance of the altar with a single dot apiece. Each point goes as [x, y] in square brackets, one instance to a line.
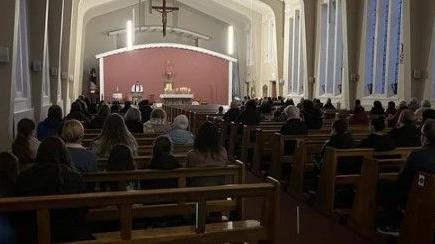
[177, 99]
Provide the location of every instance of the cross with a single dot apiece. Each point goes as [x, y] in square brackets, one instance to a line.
[164, 10]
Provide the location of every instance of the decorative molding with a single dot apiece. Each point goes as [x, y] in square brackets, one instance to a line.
[168, 45]
[175, 30]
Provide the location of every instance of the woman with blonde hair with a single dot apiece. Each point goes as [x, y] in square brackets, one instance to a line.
[114, 132]
[157, 122]
[83, 159]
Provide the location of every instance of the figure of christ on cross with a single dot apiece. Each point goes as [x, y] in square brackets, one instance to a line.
[164, 10]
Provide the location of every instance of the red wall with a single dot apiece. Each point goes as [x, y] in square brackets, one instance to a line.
[206, 75]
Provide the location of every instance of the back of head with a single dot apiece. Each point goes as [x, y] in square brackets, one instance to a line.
[133, 114]
[391, 105]
[377, 104]
[428, 114]
[104, 110]
[307, 104]
[292, 112]
[357, 102]
[55, 113]
[114, 132]
[428, 131]
[72, 131]
[251, 106]
[181, 122]
[52, 150]
[121, 158]
[162, 146]
[26, 127]
[340, 126]
[407, 117]
[378, 124]
[158, 113]
[75, 107]
[207, 139]
[234, 105]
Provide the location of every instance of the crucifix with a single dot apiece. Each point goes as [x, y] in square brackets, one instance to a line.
[164, 10]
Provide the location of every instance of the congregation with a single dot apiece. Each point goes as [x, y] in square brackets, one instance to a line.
[50, 158]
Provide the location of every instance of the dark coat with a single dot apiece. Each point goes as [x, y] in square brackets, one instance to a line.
[249, 118]
[232, 114]
[294, 127]
[50, 179]
[378, 142]
[48, 128]
[313, 118]
[134, 126]
[406, 136]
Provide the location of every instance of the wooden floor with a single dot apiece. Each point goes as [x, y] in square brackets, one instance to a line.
[314, 227]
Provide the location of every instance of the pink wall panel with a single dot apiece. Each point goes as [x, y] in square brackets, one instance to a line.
[206, 75]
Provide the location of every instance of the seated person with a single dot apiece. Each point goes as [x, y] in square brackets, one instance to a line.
[25, 144]
[162, 160]
[50, 126]
[329, 107]
[377, 139]
[157, 122]
[377, 110]
[426, 105]
[179, 134]
[133, 120]
[313, 117]
[341, 139]
[220, 110]
[83, 160]
[406, 134]
[395, 195]
[294, 124]
[121, 159]
[114, 132]
[8, 176]
[232, 113]
[98, 121]
[53, 174]
[77, 114]
[359, 115]
[250, 115]
[277, 116]
[207, 152]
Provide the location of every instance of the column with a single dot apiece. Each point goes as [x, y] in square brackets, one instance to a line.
[7, 18]
[64, 60]
[55, 24]
[38, 26]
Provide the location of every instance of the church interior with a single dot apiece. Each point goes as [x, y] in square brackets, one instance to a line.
[217, 121]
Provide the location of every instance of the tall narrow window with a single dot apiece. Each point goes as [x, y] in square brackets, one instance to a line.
[370, 45]
[331, 50]
[384, 23]
[22, 75]
[290, 54]
[296, 52]
[270, 57]
[323, 44]
[433, 61]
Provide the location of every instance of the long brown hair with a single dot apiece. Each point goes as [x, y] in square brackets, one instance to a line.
[115, 132]
[21, 145]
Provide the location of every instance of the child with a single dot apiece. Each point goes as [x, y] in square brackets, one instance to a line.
[162, 156]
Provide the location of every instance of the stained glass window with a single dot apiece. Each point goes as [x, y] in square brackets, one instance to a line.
[370, 45]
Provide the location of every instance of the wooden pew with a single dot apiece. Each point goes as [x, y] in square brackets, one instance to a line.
[145, 150]
[234, 173]
[364, 205]
[140, 141]
[93, 136]
[231, 231]
[142, 162]
[419, 220]
[329, 179]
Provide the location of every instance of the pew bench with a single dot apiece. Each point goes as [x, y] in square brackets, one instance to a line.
[261, 229]
[330, 178]
[142, 162]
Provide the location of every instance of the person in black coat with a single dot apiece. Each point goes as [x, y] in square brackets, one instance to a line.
[377, 139]
[233, 113]
[98, 121]
[294, 125]
[145, 110]
[407, 133]
[53, 174]
[394, 195]
[77, 114]
[250, 116]
[313, 117]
